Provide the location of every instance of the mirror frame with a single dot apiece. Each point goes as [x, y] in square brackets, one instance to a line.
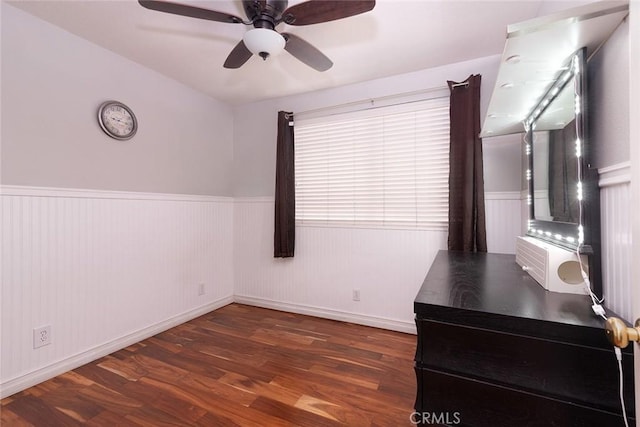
[583, 237]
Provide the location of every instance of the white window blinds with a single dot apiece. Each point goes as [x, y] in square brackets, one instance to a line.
[387, 167]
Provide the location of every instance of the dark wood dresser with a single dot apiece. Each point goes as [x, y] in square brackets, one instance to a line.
[495, 349]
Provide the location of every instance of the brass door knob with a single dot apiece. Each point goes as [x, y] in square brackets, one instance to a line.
[619, 334]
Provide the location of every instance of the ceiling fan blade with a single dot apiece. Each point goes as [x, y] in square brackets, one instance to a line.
[238, 56]
[316, 11]
[190, 11]
[306, 52]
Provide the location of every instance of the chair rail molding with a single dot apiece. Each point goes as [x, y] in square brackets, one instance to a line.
[615, 174]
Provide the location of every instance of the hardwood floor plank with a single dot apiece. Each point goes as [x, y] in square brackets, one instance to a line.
[212, 419]
[112, 401]
[70, 405]
[334, 411]
[37, 412]
[186, 412]
[10, 418]
[189, 360]
[237, 366]
[354, 397]
[70, 379]
[128, 368]
[331, 374]
[259, 388]
[292, 414]
[107, 418]
[342, 348]
[93, 372]
[152, 416]
[216, 403]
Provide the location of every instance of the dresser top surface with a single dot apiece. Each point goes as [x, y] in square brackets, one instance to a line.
[495, 284]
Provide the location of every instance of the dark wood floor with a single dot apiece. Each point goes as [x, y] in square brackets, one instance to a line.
[239, 365]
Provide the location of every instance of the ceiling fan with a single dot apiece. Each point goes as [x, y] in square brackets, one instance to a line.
[264, 16]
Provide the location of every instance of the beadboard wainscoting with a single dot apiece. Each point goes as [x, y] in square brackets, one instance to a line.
[615, 196]
[386, 266]
[104, 269]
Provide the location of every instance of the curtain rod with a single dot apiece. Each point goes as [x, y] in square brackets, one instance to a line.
[374, 100]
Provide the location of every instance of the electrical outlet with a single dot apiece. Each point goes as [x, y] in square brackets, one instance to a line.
[41, 336]
[201, 289]
[356, 294]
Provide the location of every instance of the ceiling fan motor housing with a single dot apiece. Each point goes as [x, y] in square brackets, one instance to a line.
[265, 13]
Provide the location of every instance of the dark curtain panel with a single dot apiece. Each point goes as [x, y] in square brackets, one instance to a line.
[285, 214]
[467, 231]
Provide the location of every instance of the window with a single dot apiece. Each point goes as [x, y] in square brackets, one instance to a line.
[387, 166]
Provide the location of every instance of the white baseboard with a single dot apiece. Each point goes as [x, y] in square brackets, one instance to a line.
[32, 378]
[326, 313]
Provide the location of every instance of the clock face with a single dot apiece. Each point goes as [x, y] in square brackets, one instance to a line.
[117, 120]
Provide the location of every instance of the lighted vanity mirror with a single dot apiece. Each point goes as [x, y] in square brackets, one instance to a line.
[563, 194]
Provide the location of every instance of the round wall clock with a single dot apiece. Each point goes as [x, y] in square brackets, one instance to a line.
[117, 120]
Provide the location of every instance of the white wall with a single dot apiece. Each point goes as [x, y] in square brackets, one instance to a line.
[54, 82]
[608, 101]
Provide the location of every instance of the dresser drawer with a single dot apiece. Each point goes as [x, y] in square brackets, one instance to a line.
[581, 374]
[469, 402]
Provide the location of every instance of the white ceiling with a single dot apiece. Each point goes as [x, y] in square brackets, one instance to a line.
[398, 36]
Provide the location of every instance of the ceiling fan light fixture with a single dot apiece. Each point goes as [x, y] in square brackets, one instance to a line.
[264, 15]
[263, 42]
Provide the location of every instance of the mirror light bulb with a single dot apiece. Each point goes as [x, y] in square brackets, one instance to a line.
[579, 190]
